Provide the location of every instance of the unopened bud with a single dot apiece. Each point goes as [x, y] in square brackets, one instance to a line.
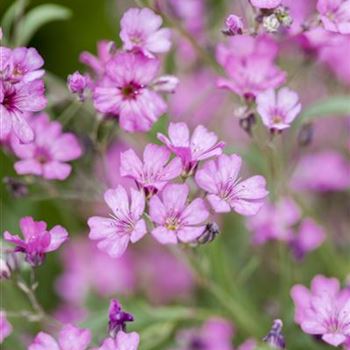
[117, 318]
[275, 337]
[5, 272]
[234, 25]
[77, 83]
[247, 123]
[166, 83]
[305, 135]
[212, 229]
[271, 23]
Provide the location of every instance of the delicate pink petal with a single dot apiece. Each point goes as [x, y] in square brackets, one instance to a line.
[56, 170]
[219, 205]
[140, 230]
[73, 338]
[195, 213]
[58, 236]
[164, 236]
[44, 341]
[190, 233]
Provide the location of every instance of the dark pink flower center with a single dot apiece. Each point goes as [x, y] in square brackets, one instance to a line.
[131, 90]
[42, 155]
[10, 98]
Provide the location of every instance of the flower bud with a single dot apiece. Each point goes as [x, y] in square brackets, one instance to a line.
[275, 337]
[234, 25]
[305, 135]
[271, 23]
[77, 83]
[17, 188]
[5, 272]
[212, 229]
[117, 318]
[166, 83]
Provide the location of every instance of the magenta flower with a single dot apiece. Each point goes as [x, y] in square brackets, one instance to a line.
[154, 172]
[124, 225]
[69, 338]
[201, 145]
[15, 99]
[125, 92]
[5, 327]
[140, 31]
[335, 15]
[37, 239]
[278, 109]
[48, 154]
[123, 341]
[175, 221]
[225, 190]
[323, 311]
[266, 4]
[251, 76]
[117, 318]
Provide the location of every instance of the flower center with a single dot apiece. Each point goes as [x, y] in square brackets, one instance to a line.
[131, 90]
[172, 224]
[42, 155]
[277, 119]
[9, 98]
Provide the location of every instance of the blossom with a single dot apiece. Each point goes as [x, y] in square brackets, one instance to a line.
[335, 15]
[323, 311]
[278, 108]
[275, 337]
[125, 92]
[140, 31]
[175, 221]
[69, 338]
[5, 327]
[154, 172]
[124, 225]
[225, 190]
[234, 25]
[77, 83]
[117, 318]
[201, 145]
[15, 99]
[123, 341]
[37, 239]
[48, 154]
[266, 4]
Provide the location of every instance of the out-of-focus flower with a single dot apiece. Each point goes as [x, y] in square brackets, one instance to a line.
[275, 337]
[125, 92]
[123, 341]
[15, 187]
[154, 172]
[5, 271]
[140, 31]
[124, 225]
[37, 239]
[69, 338]
[176, 222]
[333, 177]
[48, 154]
[335, 15]
[225, 190]
[266, 4]
[278, 108]
[271, 23]
[77, 83]
[105, 277]
[249, 344]
[5, 327]
[323, 311]
[166, 83]
[117, 318]
[201, 145]
[234, 25]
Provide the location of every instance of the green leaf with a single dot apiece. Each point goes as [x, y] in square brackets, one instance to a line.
[331, 107]
[156, 334]
[40, 16]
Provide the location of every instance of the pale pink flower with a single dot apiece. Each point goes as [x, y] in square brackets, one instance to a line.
[123, 341]
[266, 4]
[69, 338]
[5, 327]
[174, 220]
[48, 154]
[154, 172]
[323, 311]
[278, 108]
[203, 144]
[37, 239]
[125, 224]
[335, 15]
[140, 31]
[125, 91]
[225, 189]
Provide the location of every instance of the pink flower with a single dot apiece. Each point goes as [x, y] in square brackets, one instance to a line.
[123, 341]
[225, 190]
[5, 327]
[252, 76]
[37, 239]
[335, 15]
[124, 225]
[154, 172]
[48, 154]
[234, 25]
[249, 344]
[125, 92]
[69, 338]
[15, 99]
[334, 174]
[266, 4]
[278, 109]
[175, 221]
[140, 31]
[201, 145]
[324, 311]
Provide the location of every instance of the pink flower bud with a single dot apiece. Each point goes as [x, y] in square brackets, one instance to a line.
[234, 25]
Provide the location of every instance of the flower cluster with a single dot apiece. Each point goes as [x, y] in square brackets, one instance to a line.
[124, 82]
[173, 216]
